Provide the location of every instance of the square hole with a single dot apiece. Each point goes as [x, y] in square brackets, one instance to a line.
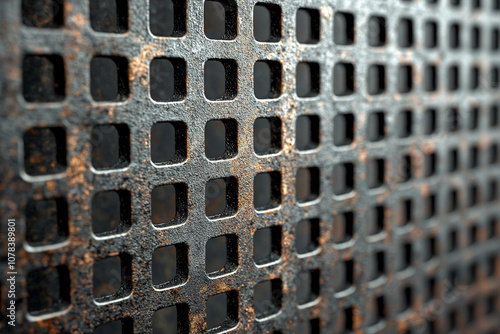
[221, 197]
[307, 236]
[344, 275]
[432, 289]
[431, 34]
[343, 79]
[494, 116]
[221, 255]
[376, 310]
[308, 79]
[475, 77]
[452, 240]
[495, 39]
[474, 118]
[49, 290]
[430, 78]
[310, 326]
[109, 78]
[124, 325]
[169, 204]
[343, 129]
[343, 28]
[308, 286]
[454, 36]
[267, 22]
[221, 19]
[493, 154]
[404, 123]
[308, 25]
[220, 79]
[110, 146]
[377, 35]
[492, 191]
[167, 18]
[474, 234]
[406, 297]
[405, 33]
[43, 13]
[376, 126]
[267, 298]
[267, 190]
[222, 311]
[167, 79]
[453, 119]
[343, 178]
[267, 135]
[44, 151]
[109, 16]
[111, 212]
[376, 79]
[429, 206]
[171, 320]
[267, 245]
[112, 278]
[168, 143]
[405, 79]
[170, 266]
[453, 78]
[375, 220]
[307, 129]
[431, 248]
[44, 78]
[475, 38]
[404, 173]
[221, 139]
[46, 221]
[344, 320]
[376, 266]
[375, 172]
[267, 79]
[343, 227]
[430, 121]
[307, 184]
[453, 160]
[494, 77]
[474, 156]
[404, 257]
[473, 195]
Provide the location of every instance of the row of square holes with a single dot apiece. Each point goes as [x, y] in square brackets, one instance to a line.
[44, 79]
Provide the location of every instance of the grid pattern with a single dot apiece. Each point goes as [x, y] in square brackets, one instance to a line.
[344, 162]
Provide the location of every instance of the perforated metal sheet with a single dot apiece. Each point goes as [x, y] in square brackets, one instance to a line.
[365, 235]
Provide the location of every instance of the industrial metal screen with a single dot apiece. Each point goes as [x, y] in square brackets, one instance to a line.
[271, 166]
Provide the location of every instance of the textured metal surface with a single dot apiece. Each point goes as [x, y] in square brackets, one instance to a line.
[52, 135]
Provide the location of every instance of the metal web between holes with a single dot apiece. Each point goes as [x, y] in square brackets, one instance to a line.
[73, 260]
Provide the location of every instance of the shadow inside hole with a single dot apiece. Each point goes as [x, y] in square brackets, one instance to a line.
[167, 18]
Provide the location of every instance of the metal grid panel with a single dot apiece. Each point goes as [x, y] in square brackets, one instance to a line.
[389, 248]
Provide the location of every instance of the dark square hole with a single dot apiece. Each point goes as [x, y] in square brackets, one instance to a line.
[307, 79]
[376, 266]
[494, 77]
[267, 298]
[377, 35]
[169, 204]
[404, 256]
[404, 123]
[221, 139]
[429, 206]
[453, 78]
[473, 234]
[495, 39]
[221, 255]
[168, 143]
[267, 79]
[111, 212]
[343, 227]
[475, 77]
[431, 247]
[267, 190]
[171, 320]
[311, 326]
[109, 78]
[308, 25]
[110, 146]
[344, 320]
[493, 154]
[44, 151]
[221, 79]
[405, 33]
[430, 78]
[474, 156]
[375, 173]
[267, 22]
[405, 211]
[343, 79]
[43, 13]
[455, 3]
[109, 15]
[474, 118]
[475, 38]
[112, 277]
[453, 160]
[344, 275]
[376, 310]
[221, 197]
[307, 135]
[431, 34]
[494, 116]
[473, 195]
[121, 326]
[307, 236]
[267, 135]
[404, 169]
[343, 129]
[221, 19]
[343, 28]
[432, 291]
[170, 266]
[454, 36]
[307, 184]
[453, 119]
[430, 121]
[376, 126]
[406, 297]
[343, 178]
[492, 191]
[167, 79]
[46, 221]
[452, 240]
[308, 286]
[375, 220]
[376, 79]
[44, 78]
[222, 311]
[405, 79]
[167, 18]
[48, 290]
[267, 245]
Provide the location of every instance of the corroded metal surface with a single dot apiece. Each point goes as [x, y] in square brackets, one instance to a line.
[49, 136]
